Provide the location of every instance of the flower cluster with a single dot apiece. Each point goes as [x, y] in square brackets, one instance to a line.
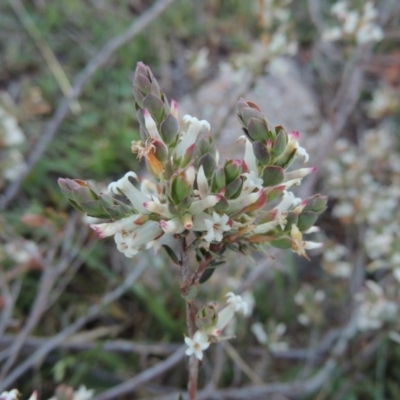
[354, 25]
[365, 182]
[274, 17]
[211, 323]
[15, 395]
[62, 392]
[11, 137]
[334, 260]
[309, 300]
[231, 205]
[272, 336]
[375, 308]
[385, 101]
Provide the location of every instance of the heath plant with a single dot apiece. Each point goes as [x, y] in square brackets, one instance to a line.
[197, 208]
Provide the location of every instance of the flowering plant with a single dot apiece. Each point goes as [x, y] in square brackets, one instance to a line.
[193, 203]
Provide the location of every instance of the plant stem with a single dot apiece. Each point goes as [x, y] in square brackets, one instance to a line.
[193, 361]
[190, 319]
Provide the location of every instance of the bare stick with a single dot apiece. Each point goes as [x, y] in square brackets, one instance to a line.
[130, 385]
[46, 52]
[348, 93]
[187, 278]
[40, 304]
[93, 312]
[93, 65]
[79, 342]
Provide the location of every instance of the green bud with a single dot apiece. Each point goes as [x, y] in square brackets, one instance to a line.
[207, 316]
[218, 180]
[280, 143]
[160, 151]
[247, 111]
[291, 219]
[320, 203]
[233, 169]
[142, 84]
[273, 192]
[180, 188]
[139, 97]
[94, 208]
[106, 200]
[67, 186]
[84, 193]
[257, 129]
[272, 175]
[261, 152]
[169, 129]
[222, 204]
[282, 243]
[234, 189]
[209, 164]
[306, 220]
[203, 146]
[155, 106]
[155, 89]
[187, 157]
[286, 158]
[143, 69]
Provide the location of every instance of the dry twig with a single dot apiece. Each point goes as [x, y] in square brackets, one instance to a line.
[61, 112]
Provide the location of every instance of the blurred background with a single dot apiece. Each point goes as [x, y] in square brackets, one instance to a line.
[74, 313]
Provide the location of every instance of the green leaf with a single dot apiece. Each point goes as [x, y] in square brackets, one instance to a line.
[280, 144]
[257, 129]
[261, 152]
[172, 254]
[272, 175]
[207, 274]
[283, 243]
[306, 220]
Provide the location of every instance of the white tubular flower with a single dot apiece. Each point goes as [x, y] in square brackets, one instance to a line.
[299, 173]
[202, 183]
[300, 246]
[172, 226]
[190, 136]
[332, 35]
[135, 196]
[34, 396]
[249, 157]
[235, 304]
[266, 227]
[259, 332]
[238, 303]
[199, 206]
[302, 153]
[253, 181]
[288, 201]
[351, 22]
[369, 33]
[151, 126]
[83, 394]
[111, 228]
[12, 395]
[197, 344]
[157, 208]
[174, 109]
[190, 174]
[216, 227]
[292, 182]
[339, 9]
[150, 189]
[130, 243]
[244, 201]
